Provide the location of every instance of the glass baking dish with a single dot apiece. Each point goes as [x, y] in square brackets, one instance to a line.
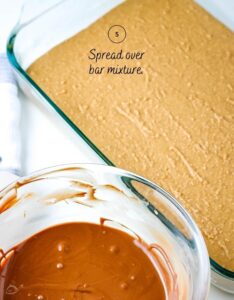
[38, 30]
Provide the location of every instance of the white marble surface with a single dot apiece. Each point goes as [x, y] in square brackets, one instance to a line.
[44, 142]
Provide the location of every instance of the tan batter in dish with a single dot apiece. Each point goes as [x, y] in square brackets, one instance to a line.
[171, 124]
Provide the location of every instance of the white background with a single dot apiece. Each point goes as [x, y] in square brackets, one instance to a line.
[45, 144]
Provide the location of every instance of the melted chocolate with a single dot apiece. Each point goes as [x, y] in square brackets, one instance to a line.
[81, 261]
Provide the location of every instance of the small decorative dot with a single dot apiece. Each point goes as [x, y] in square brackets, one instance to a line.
[114, 249]
[40, 297]
[60, 266]
[123, 285]
[62, 247]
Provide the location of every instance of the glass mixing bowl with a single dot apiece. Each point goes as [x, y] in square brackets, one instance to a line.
[90, 193]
